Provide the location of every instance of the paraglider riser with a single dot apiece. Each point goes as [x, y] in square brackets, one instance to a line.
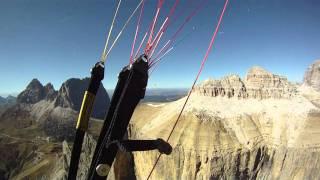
[130, 89]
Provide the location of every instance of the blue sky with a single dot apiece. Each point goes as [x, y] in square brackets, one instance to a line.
[58, 39]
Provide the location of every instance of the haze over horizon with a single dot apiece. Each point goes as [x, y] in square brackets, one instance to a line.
[56, 40]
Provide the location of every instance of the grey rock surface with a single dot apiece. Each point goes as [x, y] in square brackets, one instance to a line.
[258, 84]
[71, 93]
[33, 93]
[312, 75]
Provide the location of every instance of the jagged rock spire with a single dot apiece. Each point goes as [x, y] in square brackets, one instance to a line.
[33, 93]
[312, 76]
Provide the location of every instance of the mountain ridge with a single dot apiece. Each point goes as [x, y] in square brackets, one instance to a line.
[258, 84]
[68, 96]
[312, 75]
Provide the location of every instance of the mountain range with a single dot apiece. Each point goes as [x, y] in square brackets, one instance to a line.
[260, 126]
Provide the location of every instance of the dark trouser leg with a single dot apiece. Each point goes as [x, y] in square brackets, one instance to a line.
[142, 145]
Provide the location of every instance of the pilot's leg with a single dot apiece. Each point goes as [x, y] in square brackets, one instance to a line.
[143, 145]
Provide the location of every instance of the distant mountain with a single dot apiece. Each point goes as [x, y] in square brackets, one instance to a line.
[11, 100]
[166, 91]
[69, 95]
[6, 103]
[164, 95]
[8, 100]
[54, 111]
[2, 100]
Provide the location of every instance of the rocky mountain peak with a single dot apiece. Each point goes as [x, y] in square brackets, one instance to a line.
[312, 76]
[35, 83]
[71, 93]
[50, 92]
[258, 83]
[33, 93]
[36, 92]
[257, 70]
[258, 77]
[49, 86]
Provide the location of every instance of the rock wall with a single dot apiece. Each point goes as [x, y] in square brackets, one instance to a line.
[259, 163]
[312, 75]
[258, 84]
[225, 138]
[122, 168]
[71, 93]
[61, 168]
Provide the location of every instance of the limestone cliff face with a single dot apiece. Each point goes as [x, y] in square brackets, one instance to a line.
[230, 138]
[230, 86]
[71, 93]
[121, 169]
[258, 84]
[60, 171]
[312, 75]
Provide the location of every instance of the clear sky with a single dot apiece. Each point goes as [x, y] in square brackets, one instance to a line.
[59, 39]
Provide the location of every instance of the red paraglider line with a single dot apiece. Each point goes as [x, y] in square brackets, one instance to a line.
[166, 22]
[193, 13]
[142, 41]
[195, 81]
[160, 31]
[156, 61]
[160, 3]
[155, 45]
